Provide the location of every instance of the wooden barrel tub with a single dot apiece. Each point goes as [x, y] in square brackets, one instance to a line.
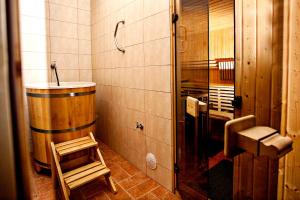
[58, 114]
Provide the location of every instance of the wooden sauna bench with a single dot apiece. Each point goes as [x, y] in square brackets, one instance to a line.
[221, 97]
[58, 114]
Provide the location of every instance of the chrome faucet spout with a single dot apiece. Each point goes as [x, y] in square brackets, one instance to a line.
[53, 67]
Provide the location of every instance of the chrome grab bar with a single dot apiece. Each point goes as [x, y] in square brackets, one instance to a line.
[115, 37]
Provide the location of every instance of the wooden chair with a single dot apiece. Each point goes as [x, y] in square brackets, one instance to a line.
[77, 177]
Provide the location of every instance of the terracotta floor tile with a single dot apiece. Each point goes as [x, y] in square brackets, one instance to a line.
[143, 188]
[171, 196]
[120, 195]
[133, 183]
[148, 196]
[95, 188]
[118, 174]
[129, 168]
[160, 192]
[134, 180]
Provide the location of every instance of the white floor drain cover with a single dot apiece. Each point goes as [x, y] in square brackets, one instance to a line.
[151, 161]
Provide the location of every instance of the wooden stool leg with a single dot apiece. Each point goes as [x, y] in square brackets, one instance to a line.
[59, 173]
[110, 183]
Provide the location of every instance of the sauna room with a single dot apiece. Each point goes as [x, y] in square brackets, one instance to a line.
[150, 99]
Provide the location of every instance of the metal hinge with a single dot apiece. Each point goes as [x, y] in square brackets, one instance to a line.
[237, 102]
[174, 18]
[176, 168]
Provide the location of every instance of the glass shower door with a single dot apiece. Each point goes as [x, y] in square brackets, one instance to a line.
[192, 81]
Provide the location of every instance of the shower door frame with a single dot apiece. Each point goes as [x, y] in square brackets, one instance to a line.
[174, 19]
[237, 73]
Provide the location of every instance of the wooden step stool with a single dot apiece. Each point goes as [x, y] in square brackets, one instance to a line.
[77, 177]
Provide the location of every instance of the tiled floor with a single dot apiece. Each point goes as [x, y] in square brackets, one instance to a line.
[130, 182]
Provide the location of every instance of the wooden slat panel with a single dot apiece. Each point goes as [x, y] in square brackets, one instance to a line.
[256, 67]
[71, 145]
[238, 50]
[75, 171]
[77, 148]
[87, 179]
[84, 173]
[71, 141]
[264, 62]
[277, 66]
[272, 179]
[249, 57]
[246, 176]
[260, 177]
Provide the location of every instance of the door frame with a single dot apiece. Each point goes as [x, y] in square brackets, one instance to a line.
[174, 79]
[16, 168]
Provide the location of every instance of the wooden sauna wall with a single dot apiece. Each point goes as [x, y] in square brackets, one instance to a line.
[221, 45]
[221, 36]
[259, 39]
[193, 45]
[291, 92]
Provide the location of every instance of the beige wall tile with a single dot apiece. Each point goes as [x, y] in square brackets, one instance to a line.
[162, 152]
[143, 67]
[157, 26]
[135, 56]
[108, 59]
[68, 75]
[135, 78]
[115, 77]
[135, 99]
[157, 52]
[152, 7]
[84, 4]
[118, 99]
[85, 47]
[158, 104]
[159, 128]
[134, 11]
[108, 42]
[68, 3]
[64, 45]
[63, 13]
[137, 158]
[134, 116]
[118, 59]
[85, 61]
[134, 33]
[65, 61]
[85, 75]
[63, 29]
[84, 32]
[137, 140]
[107, 76]
[162, 175]
[158, 78]
[84, 17]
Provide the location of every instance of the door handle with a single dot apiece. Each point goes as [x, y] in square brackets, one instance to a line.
[115, 36]
[237, 102]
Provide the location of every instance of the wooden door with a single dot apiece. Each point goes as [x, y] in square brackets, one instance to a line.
[259, 36]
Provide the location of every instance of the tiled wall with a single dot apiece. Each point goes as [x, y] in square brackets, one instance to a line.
[135, 86]
[55, 30]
